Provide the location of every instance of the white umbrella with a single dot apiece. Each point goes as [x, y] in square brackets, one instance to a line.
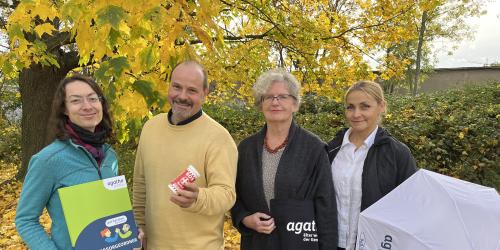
[432, 211]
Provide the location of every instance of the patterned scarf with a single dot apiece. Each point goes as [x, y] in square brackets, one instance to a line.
[92, 142]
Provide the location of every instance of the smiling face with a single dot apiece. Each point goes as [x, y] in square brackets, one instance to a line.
[276, 109]
[83, 105]
[362, 111]
[186, 93]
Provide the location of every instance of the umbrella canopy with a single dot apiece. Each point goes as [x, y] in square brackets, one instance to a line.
[432, 211]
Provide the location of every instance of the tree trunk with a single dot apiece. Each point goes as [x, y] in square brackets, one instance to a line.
[37, 86]
[418, 61]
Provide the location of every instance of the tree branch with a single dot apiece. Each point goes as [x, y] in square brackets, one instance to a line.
[244, 38]
[361, 27]
[69, 60]
[267, 18]
[59, 39]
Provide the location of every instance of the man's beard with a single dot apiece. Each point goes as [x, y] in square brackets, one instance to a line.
[181, 112]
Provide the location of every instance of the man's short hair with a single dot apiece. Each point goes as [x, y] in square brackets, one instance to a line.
[196, 63]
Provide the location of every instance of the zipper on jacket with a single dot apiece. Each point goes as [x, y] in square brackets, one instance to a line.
[96, 166]
[330, 151]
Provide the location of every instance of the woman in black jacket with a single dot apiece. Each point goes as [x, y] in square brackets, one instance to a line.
[367, 162]
[282, 163]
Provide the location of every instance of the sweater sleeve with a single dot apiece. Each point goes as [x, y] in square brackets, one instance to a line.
[139, 190]
[220, 170]
[36, 192]
[325, 204]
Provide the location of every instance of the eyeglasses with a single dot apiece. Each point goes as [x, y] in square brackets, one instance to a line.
[282, 97]
[79, 100]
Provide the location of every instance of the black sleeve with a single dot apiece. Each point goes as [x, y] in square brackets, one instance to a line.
[325, 204]
[239, 211]
[406, 163]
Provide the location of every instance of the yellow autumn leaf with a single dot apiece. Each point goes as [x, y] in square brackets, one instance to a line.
[123, 27]
[203, 36]
[45, 10]
[44, 28]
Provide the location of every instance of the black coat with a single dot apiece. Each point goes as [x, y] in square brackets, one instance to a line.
[387, 164]
[303, 173]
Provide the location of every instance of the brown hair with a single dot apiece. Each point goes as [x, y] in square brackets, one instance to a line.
[196, 63]
[58, 118]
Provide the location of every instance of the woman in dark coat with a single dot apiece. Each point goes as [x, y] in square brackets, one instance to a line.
[367, 162]
[282, 161]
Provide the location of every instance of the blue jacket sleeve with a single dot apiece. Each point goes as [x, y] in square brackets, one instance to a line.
[36, 192]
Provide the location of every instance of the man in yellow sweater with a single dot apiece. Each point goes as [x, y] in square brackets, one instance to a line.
[169, 143]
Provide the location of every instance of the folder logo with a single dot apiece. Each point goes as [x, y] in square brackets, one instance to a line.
[99, 215]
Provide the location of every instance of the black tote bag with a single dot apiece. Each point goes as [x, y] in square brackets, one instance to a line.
[295, 224]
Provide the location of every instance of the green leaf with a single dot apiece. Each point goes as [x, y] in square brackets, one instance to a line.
[100, 73]
[148, 59]
[15, 30]
[51, 60]
[138, 32]
[146, 90]
[162, 100]
[111, 92]
[153, 14]
[7, 68]
[111, 15]
[172, 61]
[113, 37]
[118, 65]
[39, 45]
[72, 11]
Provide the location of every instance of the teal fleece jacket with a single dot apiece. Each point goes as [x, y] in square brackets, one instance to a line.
[60, 164]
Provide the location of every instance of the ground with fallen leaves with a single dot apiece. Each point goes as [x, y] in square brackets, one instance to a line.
[9, 194]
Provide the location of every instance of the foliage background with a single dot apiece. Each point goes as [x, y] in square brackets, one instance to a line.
[131, 46]
[454, 132]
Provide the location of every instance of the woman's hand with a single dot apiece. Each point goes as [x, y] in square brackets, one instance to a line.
[259, 222]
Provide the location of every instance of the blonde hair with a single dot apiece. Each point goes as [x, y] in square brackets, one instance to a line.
[370, 88]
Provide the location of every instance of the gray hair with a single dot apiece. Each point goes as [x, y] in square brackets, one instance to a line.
[267, 78]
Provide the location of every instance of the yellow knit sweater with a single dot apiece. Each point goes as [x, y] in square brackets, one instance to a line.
[164, 151]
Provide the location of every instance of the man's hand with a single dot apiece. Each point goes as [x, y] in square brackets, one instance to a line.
[142, 239]
[260, 222]
[185, 198]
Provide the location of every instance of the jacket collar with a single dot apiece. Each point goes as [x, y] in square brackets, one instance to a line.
[381, 137]
[105, 146]
[291, 133]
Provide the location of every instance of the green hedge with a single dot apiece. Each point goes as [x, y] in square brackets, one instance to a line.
[453, 132]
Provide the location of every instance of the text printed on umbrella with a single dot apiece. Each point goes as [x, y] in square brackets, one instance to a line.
[386, 244]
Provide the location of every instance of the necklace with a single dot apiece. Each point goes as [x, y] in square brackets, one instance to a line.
[273, 151]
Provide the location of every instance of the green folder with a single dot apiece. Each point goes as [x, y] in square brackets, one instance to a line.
[99, 214]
